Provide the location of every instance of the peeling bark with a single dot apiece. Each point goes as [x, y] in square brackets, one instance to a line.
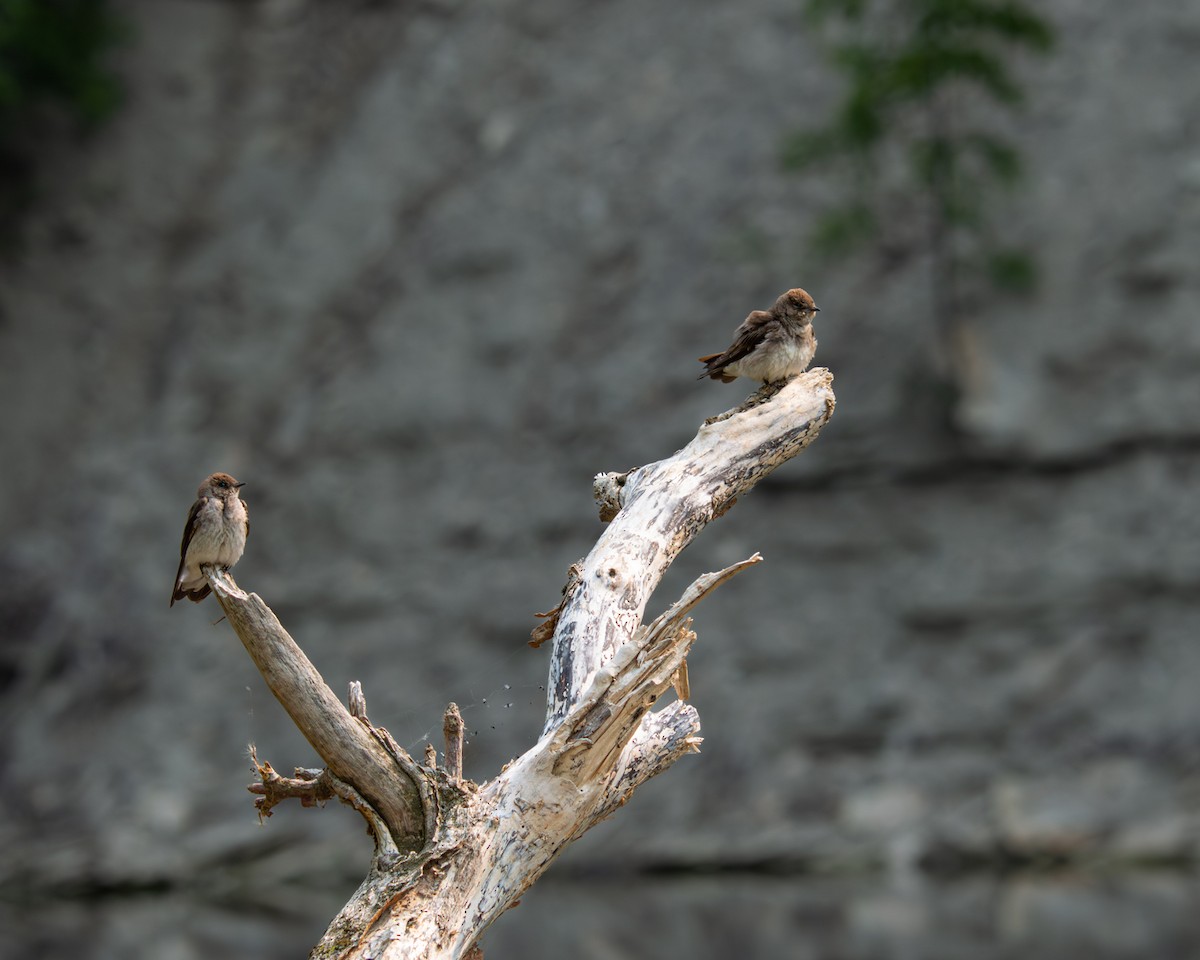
[450, 855]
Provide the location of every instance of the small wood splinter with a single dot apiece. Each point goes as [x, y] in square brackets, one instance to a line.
[452, 727]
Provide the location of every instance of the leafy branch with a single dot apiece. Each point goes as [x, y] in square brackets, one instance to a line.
[52, 58]
[918, 72]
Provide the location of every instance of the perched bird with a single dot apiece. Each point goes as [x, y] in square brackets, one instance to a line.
[770, 344]
[215, 534]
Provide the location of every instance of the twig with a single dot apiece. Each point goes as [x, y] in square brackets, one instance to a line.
[310, 787]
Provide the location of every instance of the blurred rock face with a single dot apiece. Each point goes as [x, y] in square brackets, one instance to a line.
[416, 274]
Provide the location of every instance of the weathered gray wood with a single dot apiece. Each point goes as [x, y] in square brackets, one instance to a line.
[452, 729]
[656, 510]
[452, 856]
[343, 742]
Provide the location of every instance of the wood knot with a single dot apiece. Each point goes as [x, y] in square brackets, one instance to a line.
[608, 489]
[611, 577]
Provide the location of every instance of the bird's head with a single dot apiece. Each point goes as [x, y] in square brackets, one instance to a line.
[796, 304]
[221, 486]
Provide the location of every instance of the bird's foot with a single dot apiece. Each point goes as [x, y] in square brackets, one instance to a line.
[756, 399]
[765, 393]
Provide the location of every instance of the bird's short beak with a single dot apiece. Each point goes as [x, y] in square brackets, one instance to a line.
[816, 309]
[240, 485]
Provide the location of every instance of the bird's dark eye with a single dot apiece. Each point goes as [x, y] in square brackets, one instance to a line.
[222, 484]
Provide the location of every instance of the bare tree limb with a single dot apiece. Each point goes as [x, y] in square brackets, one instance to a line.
[667, 503]
[452, 856]
[344, 743]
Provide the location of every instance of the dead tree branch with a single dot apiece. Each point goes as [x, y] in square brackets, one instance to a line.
[452, 856]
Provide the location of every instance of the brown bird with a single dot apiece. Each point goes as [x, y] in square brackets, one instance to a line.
[215, 534]
[770, 344]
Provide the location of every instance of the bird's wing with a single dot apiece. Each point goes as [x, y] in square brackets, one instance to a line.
[746, 337]
[188, 529]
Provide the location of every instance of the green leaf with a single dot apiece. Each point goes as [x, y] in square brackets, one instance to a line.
[1001, 160]
[859, 124]
[861, 61]
[53, 49]
[925, 66]
[899, 65]
[1012, 270]
[961, 203]
[1011, 21]
[933, 160]
[807, 148]
[10, 89]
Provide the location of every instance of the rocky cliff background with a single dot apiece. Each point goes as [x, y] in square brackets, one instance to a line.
[416, 272]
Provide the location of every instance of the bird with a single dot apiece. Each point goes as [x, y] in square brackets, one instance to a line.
[215, 533]
[769, 345]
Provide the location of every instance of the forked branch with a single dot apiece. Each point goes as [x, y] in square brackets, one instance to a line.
[452, 856]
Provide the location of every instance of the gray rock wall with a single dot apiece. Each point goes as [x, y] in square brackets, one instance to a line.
[417, 272]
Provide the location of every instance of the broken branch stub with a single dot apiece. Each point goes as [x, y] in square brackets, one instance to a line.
[452, 729]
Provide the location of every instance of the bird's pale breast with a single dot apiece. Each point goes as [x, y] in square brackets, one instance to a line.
[774, 360]
[219, 536]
